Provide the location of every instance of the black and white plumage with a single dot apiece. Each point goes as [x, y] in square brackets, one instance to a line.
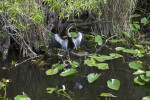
[67, 44]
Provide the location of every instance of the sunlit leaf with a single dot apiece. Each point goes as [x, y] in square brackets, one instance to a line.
[102, 66]
[52, 71]
[148, 73]
[68, 72]
[74, 64]
[107, 95]
[51, 90]
[146, 98]
[143, 77]
[92, 77]
[119, 48]
[144, 21]
[113, 84]
[138, 80]
[138, 72]
[102, 58]
[98, 39]
[135, 65]
[21, 97]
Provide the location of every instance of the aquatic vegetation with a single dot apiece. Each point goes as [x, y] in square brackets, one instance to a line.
[21, 97]
[92, 77]
[113, 84]
[59, 91]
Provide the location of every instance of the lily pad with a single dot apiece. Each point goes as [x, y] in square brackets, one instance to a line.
[90, 62]
[113, 84]
[148, 73]
[115, 55]
[21, 97]
[52, 71]
[107, 95]
[98, 39]
[68, 72]
[135, 65]
[92, 77]
[146, 98]
[74, 64]
[138, 72]
[102, 66]
[138, 80]
[58, 66]
[143, 77]
[119, 48]
[132, 51]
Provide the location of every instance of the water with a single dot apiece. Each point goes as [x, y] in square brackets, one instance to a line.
[33, 81]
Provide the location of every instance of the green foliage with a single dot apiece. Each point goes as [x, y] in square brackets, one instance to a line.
[1, 85]
[148, 73]
[92, 77]
[52, 71]
[107, 95]
[144, 21]
[22, 13]
[68, 72]
[138, 72]
[68, 8]
[113, 84]
[74, 64]
[98, 39]
[59, 91]
[135, 65]
[146, 98]
[21, 97]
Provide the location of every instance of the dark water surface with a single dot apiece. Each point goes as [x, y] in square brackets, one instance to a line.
[33, 81]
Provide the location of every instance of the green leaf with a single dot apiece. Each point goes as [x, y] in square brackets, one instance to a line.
[107, 95]
[138, 80]
[138, 72]
[113, 84]
[74, 64]
[148, 73]
[98, 39]
[58, 66]
[126, 34]
[52, 71]
[143, 77]
[115, 55]
[1, 85]
[21, 97]
[102, 66]
[51, 90]
[134, 27]
[144, 21]
[119, 48]
[132, 51]
[73, 34]
[140, 46]
[135, 65]
[135, 15]
[68, 72]
[92, 77]
[102, 58]
[117, 40]
[90, 62]
[146, 98]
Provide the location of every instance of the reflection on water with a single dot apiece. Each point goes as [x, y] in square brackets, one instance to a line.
[33, 81]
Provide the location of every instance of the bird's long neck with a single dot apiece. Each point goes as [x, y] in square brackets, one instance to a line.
[68, 29]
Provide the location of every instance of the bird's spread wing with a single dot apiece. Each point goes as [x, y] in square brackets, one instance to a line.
[79, 40]
[56, 41]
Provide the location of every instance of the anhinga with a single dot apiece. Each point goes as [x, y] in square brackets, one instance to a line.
[68, 43]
